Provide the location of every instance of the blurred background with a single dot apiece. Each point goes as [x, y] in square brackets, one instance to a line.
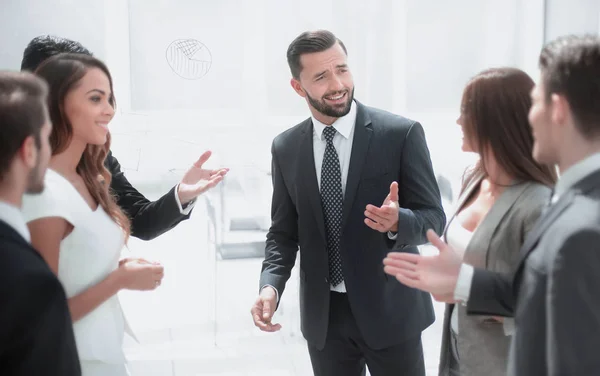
[194, 75]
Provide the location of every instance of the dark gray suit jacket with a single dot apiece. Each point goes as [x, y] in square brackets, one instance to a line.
[149, 219]
[386, 148]
[482, 343]
[555, 292]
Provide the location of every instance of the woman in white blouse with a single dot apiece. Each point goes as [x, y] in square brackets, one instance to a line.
[76, 224]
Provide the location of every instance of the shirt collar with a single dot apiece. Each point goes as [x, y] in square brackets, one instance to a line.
[14, 218]
[576, 173]
[343, 125]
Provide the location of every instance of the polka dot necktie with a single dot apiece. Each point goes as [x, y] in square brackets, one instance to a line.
[332, 200]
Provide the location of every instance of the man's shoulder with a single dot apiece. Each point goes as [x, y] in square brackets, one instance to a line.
[291, 135]
[386, 119]
[583, 212]
[22, 266]
[580, 218]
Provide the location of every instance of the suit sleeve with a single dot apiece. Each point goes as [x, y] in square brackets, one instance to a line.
[419, 195]
[149, 219]
[282, 238]
[39, 330]
[573, 307]
[491, 294]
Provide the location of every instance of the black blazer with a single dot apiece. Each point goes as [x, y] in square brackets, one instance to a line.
[149, 219]
[36, 335]
[555, 291]
[386, 148]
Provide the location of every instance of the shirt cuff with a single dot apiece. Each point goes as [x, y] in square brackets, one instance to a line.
[463, 284]
[508, 324]
[392, 235]
[276, 292]
[188, 207]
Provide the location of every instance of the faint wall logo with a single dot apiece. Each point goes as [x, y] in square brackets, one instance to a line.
[188, 58]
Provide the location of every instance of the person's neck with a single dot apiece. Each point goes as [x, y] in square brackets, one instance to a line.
[12, 194]
[327, 120]
[65, 162]
[580, 150]
[497, 179]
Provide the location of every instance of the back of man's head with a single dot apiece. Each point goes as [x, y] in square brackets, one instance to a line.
[44, 46]
[570, 67]
[22, 114]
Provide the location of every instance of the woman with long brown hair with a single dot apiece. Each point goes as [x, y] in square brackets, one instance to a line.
[75, 223]
[501, 199]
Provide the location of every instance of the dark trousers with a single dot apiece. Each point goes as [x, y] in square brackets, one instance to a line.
[346, 353]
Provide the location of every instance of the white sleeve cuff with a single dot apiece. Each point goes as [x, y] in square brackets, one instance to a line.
[463, 284]
[189, 206]
[508, 324]
[392, 236]
[276, 292]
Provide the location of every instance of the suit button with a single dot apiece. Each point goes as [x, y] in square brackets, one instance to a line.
[326, 280]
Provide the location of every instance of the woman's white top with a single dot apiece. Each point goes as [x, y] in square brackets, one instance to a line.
[87, 256]
[458, 238]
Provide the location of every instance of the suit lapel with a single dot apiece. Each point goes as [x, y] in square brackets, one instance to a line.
[538, 230]
[544, 222]
[554, 211]
[585, 185]
[463, 199]
[360, 146]
[549, 217]
[477, 250]
[308, 175]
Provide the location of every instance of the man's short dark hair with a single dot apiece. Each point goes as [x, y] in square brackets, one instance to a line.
[44, 46]
[310, 42]
[570, 66]
[22, 113]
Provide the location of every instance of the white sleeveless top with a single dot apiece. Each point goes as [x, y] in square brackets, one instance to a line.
[87, 256]
[458, 238]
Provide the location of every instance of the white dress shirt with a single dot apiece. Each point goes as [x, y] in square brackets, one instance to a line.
[189, 206]
[342, 141]
[568, 179]
[14, 218]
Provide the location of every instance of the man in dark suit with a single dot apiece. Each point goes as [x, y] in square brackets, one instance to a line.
[330, 173]
[149, 219]
[36, 335]
[555, 292]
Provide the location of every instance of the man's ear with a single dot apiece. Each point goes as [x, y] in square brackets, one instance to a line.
[560, 110]
[29, 152]
[297, 87]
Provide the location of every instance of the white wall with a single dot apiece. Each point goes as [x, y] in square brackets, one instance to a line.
[411, 57]
[571, 17]
[21, 20]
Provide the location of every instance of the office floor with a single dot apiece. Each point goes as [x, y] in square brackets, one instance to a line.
[198, 322]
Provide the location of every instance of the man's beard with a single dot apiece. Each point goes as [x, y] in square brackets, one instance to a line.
[331, 111]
